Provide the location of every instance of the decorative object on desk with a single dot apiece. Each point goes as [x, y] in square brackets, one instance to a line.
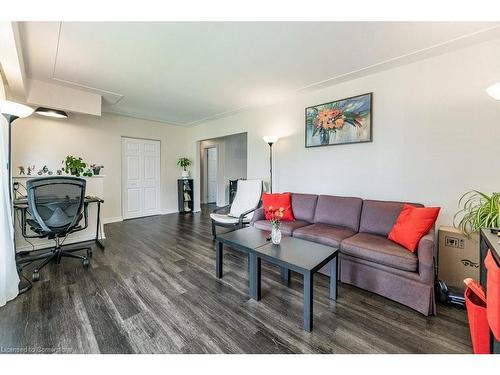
[340, 122]
[478, 210]
[31, 168]
[76, 166]
[59, 172]
[96, 169]
[276, 216]
[21, 171]
[270, 140]
[184, 163]
[40, 172]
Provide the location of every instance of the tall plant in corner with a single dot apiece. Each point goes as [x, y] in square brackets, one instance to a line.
[478, 210]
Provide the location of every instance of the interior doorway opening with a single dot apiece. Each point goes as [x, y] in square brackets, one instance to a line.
[222, 159]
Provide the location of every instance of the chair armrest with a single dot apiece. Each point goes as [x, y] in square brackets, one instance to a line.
[242, 216]
[259, 214]
[425, 253]
[220, 209]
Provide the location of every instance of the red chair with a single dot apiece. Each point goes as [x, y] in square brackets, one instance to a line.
[493, 294]
[475, 302]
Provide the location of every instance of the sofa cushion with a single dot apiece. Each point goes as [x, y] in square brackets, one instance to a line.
[381, 250]
[412, 224]
[325, 234]
[304, 206]
[378, 217]
[287, 227]
[339, 211]
[277, 201]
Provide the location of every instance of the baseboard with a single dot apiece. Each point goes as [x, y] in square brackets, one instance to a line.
[50, 243]
[108, 220]
[166, 212]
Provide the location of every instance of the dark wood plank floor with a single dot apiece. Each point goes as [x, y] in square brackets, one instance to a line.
[153, 290]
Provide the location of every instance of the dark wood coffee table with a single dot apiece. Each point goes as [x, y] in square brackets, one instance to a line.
[294, 254]
[301, 256]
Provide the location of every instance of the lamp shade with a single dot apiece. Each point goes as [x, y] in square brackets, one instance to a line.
[15, 109]
[494, 91]
[49, 112]
[270, 139]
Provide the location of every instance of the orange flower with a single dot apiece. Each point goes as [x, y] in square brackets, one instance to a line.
[339, 123]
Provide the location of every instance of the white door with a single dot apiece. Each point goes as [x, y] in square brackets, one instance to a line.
[140, 177]
[211, 175]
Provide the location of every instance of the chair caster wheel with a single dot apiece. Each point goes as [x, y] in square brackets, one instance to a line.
[35, 276]
[85, 262]
[89, 253]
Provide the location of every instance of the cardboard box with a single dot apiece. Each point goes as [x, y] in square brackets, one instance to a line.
[458, 256]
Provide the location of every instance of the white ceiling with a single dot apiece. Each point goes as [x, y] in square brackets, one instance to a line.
[184, 73]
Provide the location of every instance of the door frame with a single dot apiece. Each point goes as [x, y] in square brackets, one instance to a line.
[122, 171]
[205, 171]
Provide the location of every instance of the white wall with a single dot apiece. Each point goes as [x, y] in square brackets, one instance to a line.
[39, 141]
[435, 134]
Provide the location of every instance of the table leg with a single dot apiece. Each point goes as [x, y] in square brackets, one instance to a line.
[218, 260]
[97, 239]
[308, 301]
[254, 274]
[285, 275]
[334, 267]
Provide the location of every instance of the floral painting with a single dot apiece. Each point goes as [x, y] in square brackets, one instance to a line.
[340, 122]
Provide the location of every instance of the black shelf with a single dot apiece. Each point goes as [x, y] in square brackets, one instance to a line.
[185, 193]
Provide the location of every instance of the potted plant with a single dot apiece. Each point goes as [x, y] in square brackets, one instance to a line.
[184, 163]
[96, 168]
[76, 166]
[275, 220]
[478, 210]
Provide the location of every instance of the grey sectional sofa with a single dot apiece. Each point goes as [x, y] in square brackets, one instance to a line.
[367, 258]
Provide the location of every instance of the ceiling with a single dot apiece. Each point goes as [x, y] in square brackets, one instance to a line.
[185, 73]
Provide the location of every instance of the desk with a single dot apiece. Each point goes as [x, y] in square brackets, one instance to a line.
[21, 205]
[489, 241]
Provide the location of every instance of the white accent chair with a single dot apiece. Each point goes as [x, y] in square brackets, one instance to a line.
[246, 201]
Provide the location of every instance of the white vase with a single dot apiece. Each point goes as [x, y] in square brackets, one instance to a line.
[276, 235]
[185, 174]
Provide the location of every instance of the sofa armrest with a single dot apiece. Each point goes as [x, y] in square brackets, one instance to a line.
[258, 214]
[425, 253]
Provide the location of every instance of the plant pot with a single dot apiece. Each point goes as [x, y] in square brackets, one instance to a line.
[96, 171]
[185, 174]
[74, 172]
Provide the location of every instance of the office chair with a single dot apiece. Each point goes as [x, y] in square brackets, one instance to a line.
[56, 206]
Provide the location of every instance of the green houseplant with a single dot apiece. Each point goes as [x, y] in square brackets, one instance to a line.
[76, 166]
[478, 210]
[184, 163]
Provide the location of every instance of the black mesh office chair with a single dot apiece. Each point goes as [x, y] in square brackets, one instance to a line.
[56, 206]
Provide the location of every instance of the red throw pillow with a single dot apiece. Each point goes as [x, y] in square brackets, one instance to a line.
[276, 201]
[412, 224]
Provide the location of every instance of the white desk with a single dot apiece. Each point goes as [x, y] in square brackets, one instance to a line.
[94, 187]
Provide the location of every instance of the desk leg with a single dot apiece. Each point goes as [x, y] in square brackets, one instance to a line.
[97, 239]
[218, 260]
[308, 301]
[334, 267]
[285, 275]
[255, 289]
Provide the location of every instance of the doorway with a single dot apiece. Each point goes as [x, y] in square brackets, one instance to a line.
[140, 177]
[211, 175]
[222, 159]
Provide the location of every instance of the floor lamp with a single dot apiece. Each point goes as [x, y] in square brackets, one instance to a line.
[270, 140]
[12, 111]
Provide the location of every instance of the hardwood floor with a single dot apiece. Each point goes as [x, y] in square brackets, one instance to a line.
[153, 290]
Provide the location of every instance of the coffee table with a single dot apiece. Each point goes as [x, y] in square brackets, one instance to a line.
[294, 254]
[301, 256]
